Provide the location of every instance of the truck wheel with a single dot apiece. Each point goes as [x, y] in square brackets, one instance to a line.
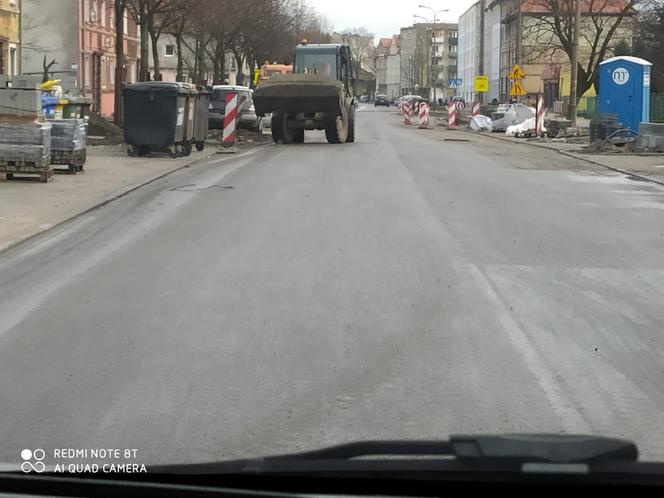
[351, 126]
[337, 131]
[281, 132]
[298, 136]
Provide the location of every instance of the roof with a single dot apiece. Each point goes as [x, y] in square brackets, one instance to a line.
[385, 42]
[628, 58]
[231, 87]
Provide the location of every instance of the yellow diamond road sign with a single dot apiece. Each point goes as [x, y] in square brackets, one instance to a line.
[516, 73]
[481, 83]
[517, 89]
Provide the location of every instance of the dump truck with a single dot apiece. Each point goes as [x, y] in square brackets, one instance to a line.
[318, 95]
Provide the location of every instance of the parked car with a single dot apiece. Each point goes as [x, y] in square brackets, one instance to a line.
[247, 114]
[364, 99]
[381, 100]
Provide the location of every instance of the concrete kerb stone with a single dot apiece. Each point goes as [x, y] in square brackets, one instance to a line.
[122, 193]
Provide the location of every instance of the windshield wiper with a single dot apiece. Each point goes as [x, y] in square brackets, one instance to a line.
[458, 452]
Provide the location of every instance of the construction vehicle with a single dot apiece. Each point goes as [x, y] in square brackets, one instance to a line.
[318, 95]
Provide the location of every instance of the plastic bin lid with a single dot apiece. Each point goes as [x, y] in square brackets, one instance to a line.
[151, 86]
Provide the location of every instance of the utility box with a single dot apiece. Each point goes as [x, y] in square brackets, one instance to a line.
[624, 89]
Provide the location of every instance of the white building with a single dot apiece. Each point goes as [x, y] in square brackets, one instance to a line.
[492, 28]
[168, 62]
[393, 69]
[470, 45]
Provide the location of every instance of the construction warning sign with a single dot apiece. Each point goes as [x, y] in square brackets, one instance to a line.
[517, 88]
[516, 73]
[481, 83]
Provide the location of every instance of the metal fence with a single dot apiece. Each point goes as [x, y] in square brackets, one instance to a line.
[657, 107]
[589, 106]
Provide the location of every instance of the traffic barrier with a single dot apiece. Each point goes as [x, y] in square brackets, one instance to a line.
[475, 109]
[407, 113]
[451, 116]
[230, 120]
[424, 116]
[539, 115]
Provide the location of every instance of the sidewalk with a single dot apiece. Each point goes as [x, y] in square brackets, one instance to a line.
[647, 166]
[28, 208]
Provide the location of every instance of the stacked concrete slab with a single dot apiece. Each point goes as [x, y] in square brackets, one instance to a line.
[68, 143]
[25, 141]
[651, 138]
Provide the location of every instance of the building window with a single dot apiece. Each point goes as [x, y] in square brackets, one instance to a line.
[453, 48]
[169, 50]
[126, 22]
[87, 69]
[2, 58]
[102, 13]
[13, 62]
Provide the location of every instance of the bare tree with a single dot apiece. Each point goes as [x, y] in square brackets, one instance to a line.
[46, 67]
[550, 31]
[360, 41]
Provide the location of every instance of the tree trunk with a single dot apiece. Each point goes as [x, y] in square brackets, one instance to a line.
[154, 39]
[200, 61]
[145, 63]
[119, 61]
[180, 71]
[239, 59]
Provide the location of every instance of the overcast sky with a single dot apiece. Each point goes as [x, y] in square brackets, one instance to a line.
[385, 17]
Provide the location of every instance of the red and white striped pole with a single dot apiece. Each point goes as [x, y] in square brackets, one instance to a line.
[424, 116]
[230, 120]
[407, 113]
[475, 110]
[451, 116]
[539, 115]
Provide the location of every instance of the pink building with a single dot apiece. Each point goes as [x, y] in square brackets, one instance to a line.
[80, 36]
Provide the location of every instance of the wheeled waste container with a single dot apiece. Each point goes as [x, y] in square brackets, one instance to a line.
[201, 116]
[189, 116]
[154, 118]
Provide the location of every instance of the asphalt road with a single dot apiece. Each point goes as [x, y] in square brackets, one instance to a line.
[306, 295]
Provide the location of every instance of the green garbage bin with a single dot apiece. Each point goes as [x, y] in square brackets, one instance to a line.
[154, 118]
[75, 107]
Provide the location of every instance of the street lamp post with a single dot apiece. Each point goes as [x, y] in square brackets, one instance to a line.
[434, 72]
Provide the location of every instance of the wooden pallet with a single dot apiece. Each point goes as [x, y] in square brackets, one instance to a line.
[10, 170]
[45, 176]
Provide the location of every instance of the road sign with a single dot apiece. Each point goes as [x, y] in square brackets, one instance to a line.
[481, 83]
[516, 73]
[517, 88]
[455, 83]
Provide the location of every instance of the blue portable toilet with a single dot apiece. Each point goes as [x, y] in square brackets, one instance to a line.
[624, 89]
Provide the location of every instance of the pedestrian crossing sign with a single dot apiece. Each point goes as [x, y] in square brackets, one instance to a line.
[517, 88]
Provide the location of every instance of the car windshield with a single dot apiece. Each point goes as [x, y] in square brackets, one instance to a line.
[445, 218]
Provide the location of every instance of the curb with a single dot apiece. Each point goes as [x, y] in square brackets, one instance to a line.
[572, 155]
[122, 193]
